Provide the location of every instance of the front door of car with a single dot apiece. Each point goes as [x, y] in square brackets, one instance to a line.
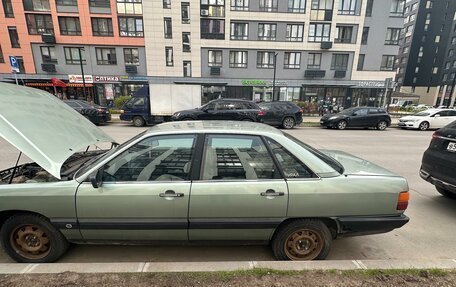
[359, 118]
[208, 112]
[144, 193]
[439, 120]
[240, 195]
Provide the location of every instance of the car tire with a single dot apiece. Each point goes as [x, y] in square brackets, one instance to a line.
[31, 238]
[288, 123]
[424, 126]
[304, 239]
[138, 121]
[341, 125]
[446, 193]
[382, 125]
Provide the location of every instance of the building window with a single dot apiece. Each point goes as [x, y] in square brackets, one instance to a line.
[445, 77]
[297, 6]
[215, 58]
[240, 5]
[66, 2]
[213, 8]
[239, 31]
[168, 24]
[167, 4]
[265, 60]
[48, 54]
[339, 62]
[212, 29]
[72, 55]
[100, 3]
[187, 68]
[186, 42]
[14, 38]
[36, 5]
[131, 56]
[169, 56]
[347, 7]
[102, 27]
[39, 24]
[397, 8]
[185, 12]
[405, 50]
[8, 8]
[70, 26]
[295, 32]
[322, 5]
[267, 31]
[450, 53]
[344, 34]
[360, 65]
[238, 59]
[129, 7]
[314, 61]
[2, 59]
[268, 5]
[387, 63]
[106, 56]
[392, 36]
[319, 32]
[365, 36]
[369, 6]
[292, 60]
[131, 27]
[435, 70]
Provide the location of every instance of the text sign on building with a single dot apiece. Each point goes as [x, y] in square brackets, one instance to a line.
[370, 84]
[77, 79]
[106, 79]
[14, 64]
[263, 83]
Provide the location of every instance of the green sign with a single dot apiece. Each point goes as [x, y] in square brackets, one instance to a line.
[255, 83]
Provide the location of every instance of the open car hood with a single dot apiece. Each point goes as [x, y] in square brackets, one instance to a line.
[43, 127]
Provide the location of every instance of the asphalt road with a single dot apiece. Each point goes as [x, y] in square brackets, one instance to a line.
[430, 233]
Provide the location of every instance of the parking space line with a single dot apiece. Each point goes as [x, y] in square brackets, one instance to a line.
[359, 264]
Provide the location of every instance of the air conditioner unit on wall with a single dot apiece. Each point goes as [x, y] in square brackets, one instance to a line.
[204, 12]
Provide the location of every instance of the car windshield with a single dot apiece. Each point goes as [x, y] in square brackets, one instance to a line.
[327, 159]
[422, 114]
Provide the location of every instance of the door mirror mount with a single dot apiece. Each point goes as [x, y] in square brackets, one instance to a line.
[95, 179]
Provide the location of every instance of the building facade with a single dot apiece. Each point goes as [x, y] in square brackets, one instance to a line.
[50, 39]
[426, 63]
[338, 51]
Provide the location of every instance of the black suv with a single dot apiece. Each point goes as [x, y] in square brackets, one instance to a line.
[223, 109]
[439, 161]
[360, 117]
[284, 114]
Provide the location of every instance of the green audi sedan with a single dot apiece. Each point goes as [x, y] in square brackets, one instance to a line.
[194, 181]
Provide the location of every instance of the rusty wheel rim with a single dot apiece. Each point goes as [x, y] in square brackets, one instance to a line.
[30, 241]
[304, 244]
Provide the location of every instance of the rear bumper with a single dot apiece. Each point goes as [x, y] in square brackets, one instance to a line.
[354, 226]
[437, 182]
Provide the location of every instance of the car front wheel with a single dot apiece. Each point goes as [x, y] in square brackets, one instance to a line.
[423, 126]
[138, 121]
[342, 125]
[288, 123]
[446, 193]
[305, 239]
[31, 238]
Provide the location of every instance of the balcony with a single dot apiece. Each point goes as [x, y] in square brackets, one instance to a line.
[321, 15]
[314, 74]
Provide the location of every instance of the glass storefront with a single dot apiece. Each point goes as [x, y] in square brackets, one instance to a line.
[335, 96]
[367, 97]
[210, 93]
[106, 93]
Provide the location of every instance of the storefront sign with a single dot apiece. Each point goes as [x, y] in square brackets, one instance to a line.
[263, 83]
[370, 84]
[106, 79]
[78, 79]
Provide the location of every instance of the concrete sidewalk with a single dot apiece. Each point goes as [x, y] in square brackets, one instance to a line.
[155, 267]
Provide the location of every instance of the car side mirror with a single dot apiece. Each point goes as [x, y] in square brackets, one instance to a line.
[354, 114]
[437, 115]
[96, 180]
[205, 110]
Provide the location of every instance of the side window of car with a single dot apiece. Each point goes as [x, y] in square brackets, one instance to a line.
[210, 106]
[237, 157]
[265, 107]
[224, 106]
[291, 166]
[361, 112]
[374, 111]
[452, 113]
[161, 158]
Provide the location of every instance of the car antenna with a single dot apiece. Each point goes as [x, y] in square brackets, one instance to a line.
[87, 149]
[14, 169]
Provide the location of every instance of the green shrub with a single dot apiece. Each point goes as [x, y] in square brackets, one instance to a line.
[120, 101]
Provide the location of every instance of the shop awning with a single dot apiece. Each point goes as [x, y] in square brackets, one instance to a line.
[50, 85]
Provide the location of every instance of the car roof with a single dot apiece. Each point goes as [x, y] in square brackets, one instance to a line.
[226, 127]
[231, 100]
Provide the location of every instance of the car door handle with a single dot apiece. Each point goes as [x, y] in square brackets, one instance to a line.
[171, 193]
[272, 192]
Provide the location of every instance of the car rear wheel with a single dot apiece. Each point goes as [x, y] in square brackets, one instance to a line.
[446, 193]
[138, 121]
[305, 239]
[424, 126]
[31, 238]
[382, 125]
[288, 123]
[342, 125]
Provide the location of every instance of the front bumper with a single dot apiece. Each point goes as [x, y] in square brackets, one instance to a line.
[327, 123]
[354, 226]
[437, 182]
[412, 125]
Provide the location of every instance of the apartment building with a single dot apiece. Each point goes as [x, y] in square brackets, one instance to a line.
[50, 39]
[320, 50]
[426, 64]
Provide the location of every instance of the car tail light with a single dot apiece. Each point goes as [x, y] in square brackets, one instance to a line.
[260, 113]
[301, 111]
[402, 201]
[435, 135]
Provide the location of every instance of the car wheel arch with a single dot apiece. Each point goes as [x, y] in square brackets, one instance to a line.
[5, 214]
[331, 223]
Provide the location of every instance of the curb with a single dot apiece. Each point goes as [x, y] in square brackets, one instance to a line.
[176, 267]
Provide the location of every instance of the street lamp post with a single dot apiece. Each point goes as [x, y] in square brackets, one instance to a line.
[82, 74]
[274, 79]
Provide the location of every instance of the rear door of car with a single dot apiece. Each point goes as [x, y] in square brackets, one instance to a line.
[241, 194]
[269, 117]
[144, 194]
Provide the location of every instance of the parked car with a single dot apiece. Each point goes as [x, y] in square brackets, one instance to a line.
[283, 114]
[360, 117]
[223, 109]
[439, 161]
[94, 113]
[428, 119]
[180, 182]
